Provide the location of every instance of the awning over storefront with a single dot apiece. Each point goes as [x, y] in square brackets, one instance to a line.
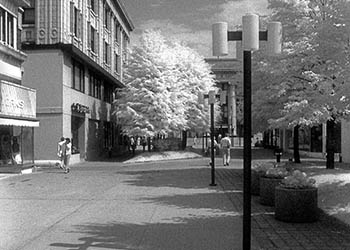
[18, 122]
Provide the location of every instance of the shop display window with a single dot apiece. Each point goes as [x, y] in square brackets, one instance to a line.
[16, 145]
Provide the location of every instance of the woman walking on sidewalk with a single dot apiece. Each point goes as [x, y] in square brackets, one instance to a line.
[68, 155]
[61, 152]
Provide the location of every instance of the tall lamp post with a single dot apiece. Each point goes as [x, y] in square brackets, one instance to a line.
[250, 37]
[212, 96]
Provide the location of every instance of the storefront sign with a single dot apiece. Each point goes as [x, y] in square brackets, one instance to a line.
[80, 108]
[17, 100]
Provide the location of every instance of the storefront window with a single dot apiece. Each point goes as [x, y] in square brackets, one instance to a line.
[77, 132]
[27, 145]
[5, 145]
[16, 145]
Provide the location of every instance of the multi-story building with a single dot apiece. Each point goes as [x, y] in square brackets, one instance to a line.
[228, 75]
[76, 51]
[17, 102]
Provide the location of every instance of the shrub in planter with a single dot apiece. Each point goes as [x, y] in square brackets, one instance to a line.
[296, 199]
[259, 169]
[268, 182]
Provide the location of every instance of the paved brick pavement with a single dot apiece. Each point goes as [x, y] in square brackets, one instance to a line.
[269, 233]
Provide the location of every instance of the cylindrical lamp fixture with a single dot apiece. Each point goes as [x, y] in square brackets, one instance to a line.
[220, 41]
[250, 31]
[274, 38]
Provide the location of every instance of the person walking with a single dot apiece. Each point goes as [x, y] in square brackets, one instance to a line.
[61, 152]
[218, 147]
[209, 149]
[225, 147]
[143, 143]
[68, 155]
[133, 145]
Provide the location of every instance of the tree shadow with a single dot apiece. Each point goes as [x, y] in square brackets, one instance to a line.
[194, 234]
[190, 215]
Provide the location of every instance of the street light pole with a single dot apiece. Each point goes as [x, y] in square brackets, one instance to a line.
[212, 145]
[250, 37]
[212, 96]
[247, 150]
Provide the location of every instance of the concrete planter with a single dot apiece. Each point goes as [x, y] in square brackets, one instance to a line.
[267, 190]
[255, 182]
[296, 205]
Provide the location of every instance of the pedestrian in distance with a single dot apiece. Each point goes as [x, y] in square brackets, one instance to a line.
[143, 143]
[195, 141]
[61, 152]
[68, 155]
[218, 149]
[16, 152]
[225, 148]
[209, 149]
[133, 145]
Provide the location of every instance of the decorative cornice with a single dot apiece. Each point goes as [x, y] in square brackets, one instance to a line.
[125, 15]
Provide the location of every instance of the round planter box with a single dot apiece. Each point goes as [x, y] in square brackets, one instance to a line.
[296, 205]
[267, 190]
[255, 183]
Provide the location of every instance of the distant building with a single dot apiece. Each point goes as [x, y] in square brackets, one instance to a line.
[17, 102]
[76, 52]
[227, 73]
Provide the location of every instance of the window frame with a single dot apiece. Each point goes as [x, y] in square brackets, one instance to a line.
[95, 85]
[77, 66]
[7, 27]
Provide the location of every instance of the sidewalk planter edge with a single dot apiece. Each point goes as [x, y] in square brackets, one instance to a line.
[267, 190]
[255, 182]
[296, 205]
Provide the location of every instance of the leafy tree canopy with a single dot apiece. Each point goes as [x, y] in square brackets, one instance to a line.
[308, 84]
[163, 81]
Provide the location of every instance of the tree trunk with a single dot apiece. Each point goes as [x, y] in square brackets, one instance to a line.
[149, 144]
[330, 144]
[296, 144]
[184, 139]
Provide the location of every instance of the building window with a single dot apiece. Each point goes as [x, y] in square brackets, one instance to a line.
[116, 63]
[92, 39]
[78, 76]
[95, 86]
[75, 20]
[2, 25]
[7, 29]
[76, 14]
[116, 33]
[107, 18]
[92, 4]
[29, 16]
[108, 93]
[106, 53]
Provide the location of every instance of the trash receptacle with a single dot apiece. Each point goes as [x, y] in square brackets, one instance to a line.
[278, 154]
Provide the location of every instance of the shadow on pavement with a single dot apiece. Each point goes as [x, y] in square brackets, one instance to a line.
[190, 215]
[192, 234]
[187, 214]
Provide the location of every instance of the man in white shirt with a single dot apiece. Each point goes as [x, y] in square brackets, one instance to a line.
[225, 144]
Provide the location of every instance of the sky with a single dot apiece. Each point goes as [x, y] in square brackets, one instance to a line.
[189, 21]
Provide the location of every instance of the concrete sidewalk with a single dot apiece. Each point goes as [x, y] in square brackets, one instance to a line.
[268, 233]
[165, 205]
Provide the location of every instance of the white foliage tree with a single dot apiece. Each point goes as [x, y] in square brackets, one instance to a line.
[163, 81]
[312, 74]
